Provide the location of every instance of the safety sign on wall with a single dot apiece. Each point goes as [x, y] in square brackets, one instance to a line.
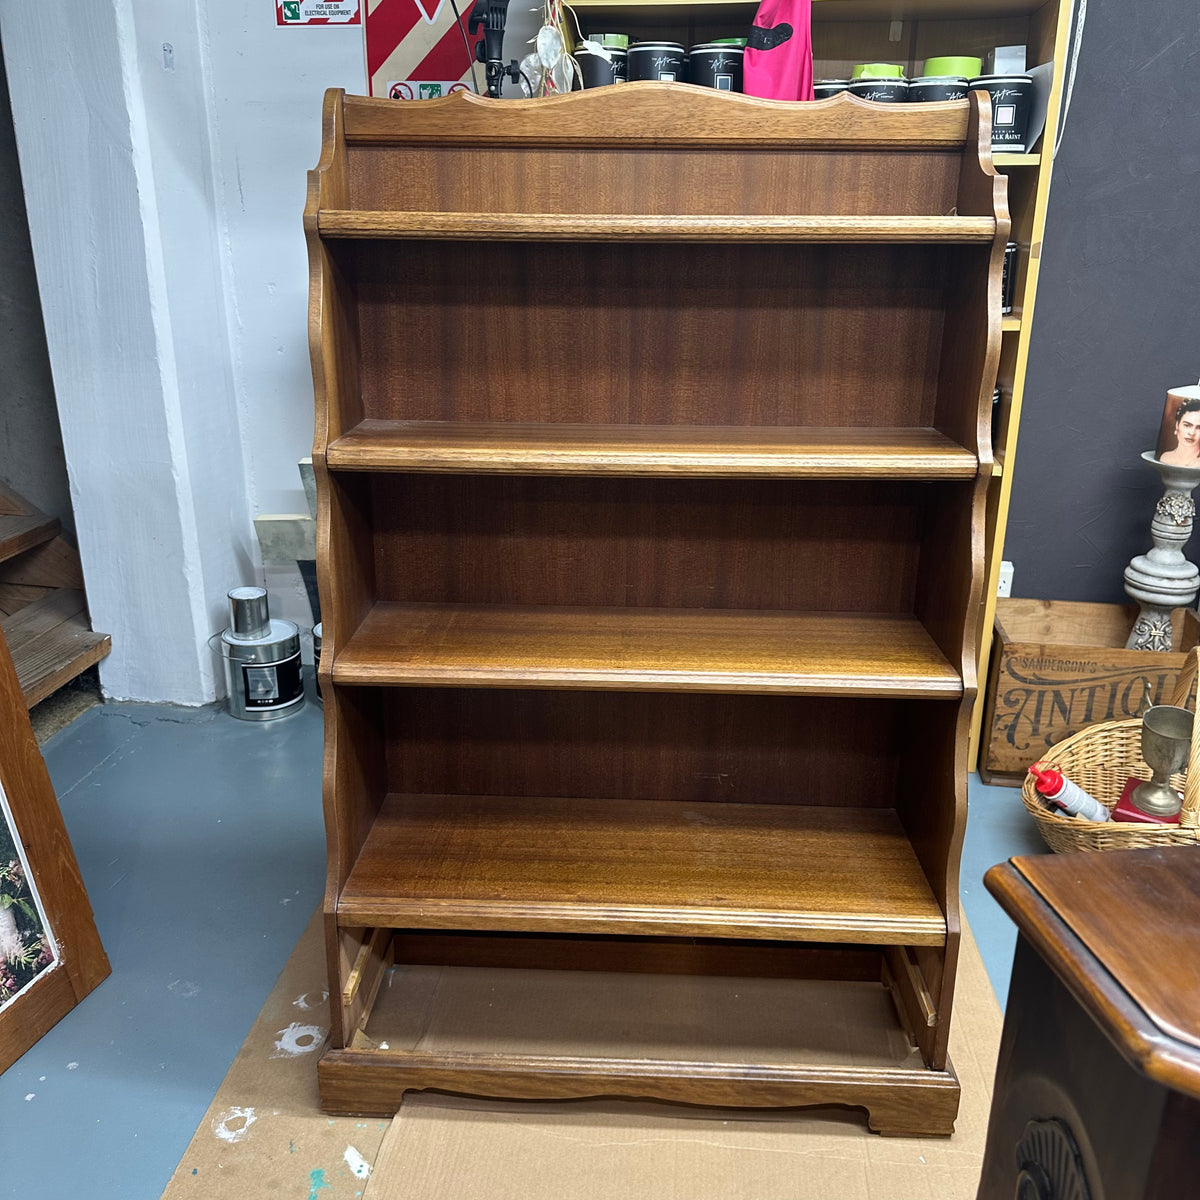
[416, 50]
[318, 12]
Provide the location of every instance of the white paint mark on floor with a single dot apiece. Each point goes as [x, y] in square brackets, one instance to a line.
[184, 987]
[357, 1164]
[298, 1039]
[30, 1095]
[233, 1124]
[310, 1000]
[72, 1066]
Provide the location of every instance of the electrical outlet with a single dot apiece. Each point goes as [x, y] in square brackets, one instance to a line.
[1004, 583]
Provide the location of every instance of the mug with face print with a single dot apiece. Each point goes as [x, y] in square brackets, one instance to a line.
[1179, 435]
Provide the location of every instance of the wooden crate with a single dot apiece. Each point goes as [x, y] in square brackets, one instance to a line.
[1060, 666]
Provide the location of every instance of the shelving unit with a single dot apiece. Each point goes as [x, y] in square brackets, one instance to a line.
[650, 548]
[846, 32]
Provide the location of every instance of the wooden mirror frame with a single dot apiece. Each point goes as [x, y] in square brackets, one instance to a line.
[39, 830]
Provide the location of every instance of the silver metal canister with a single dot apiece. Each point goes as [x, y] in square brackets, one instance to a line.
[262, 659]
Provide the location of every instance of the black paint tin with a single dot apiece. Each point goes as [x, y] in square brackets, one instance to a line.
[1009, 285]
[882, 91]
[1012, 101]
[824, 88]
[937, 87]
[716, 65]
[657, 60]
[598, 70]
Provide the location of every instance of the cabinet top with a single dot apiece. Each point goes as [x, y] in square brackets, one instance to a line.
[1122, 930]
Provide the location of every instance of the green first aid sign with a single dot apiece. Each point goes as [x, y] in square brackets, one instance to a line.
[318, 12]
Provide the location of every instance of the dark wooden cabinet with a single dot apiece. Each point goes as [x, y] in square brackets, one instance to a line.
[1098, 1085]
[652, 448]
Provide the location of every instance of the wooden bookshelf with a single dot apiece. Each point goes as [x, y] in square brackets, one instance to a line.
[651, 568]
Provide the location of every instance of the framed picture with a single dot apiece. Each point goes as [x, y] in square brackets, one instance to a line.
[50, 952]
[1179, 434]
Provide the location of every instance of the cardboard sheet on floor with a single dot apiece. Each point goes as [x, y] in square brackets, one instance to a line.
[264, 1135]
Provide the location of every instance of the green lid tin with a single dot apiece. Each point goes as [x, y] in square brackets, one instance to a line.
[953, 64]
[878, 71]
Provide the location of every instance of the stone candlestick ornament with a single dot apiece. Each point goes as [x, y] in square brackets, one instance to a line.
[1162, 579]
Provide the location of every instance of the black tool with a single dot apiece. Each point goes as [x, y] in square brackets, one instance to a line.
[492, 15]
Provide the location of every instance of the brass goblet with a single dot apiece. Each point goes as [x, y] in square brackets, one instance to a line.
[1166, 743]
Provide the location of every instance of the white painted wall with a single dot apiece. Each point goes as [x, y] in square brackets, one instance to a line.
[121, 329]
[164, 147]
[266, 87]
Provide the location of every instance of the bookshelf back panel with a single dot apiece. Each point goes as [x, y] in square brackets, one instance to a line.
[651, 334]
[627, 179]
[648, 543]
[642, 746]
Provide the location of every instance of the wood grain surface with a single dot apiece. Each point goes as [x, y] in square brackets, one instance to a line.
[728, 451]
[790, 545]
[717, 334]
[650, 227]
[670, 650]
[690, 746]
[1156, 1054]
[1138, 912]
[646, 867]
[915, 1102]
[646, 113]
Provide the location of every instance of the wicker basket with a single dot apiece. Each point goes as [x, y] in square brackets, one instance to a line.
[1100, 759]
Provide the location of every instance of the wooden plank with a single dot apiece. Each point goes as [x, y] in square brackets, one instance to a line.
[655, 450]
[373, 947]
[705, 650]
[52, 642]
[19, 533]
[14, 596]
[608, 227]
[53, 564]
[909, 1103]
[14, 504]
[652, 113]
[642, 867]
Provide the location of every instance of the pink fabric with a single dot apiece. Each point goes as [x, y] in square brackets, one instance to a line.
[778, 62]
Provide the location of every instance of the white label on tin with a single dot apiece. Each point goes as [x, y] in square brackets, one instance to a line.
[1005, 114]
[261, 684]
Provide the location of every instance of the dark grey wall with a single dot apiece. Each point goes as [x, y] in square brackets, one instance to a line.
[1118, 307]
[31, 450]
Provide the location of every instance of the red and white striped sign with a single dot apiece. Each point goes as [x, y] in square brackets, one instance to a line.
[415, 49]
[318, 12]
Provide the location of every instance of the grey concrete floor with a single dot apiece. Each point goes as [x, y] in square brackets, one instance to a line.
[201, 844]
